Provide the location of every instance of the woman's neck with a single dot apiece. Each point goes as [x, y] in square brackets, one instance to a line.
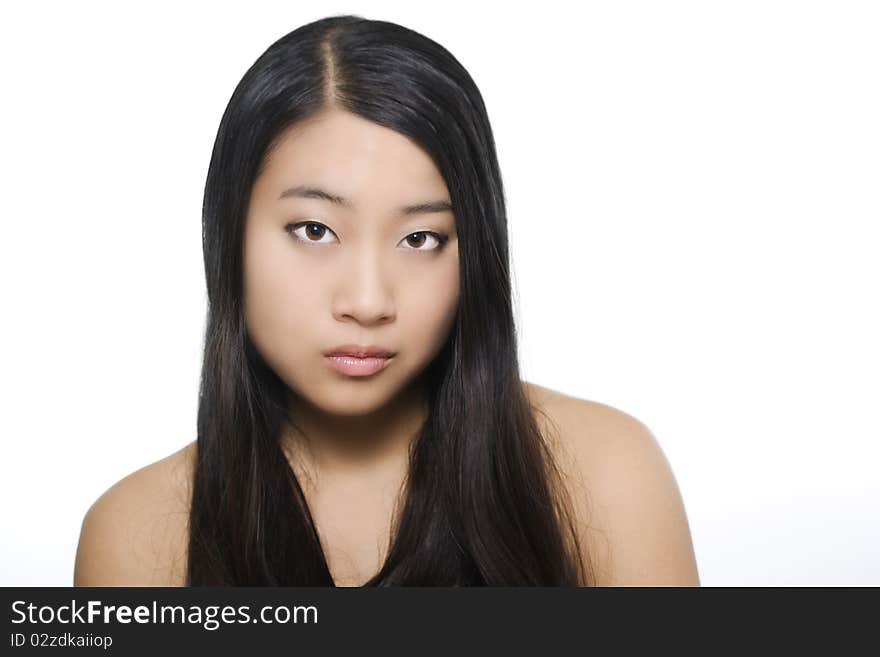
[370, 447]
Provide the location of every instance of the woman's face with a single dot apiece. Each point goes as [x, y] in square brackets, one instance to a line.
[366, 269]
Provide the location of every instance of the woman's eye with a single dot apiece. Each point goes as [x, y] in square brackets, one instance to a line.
[420, 239]
[309, 231]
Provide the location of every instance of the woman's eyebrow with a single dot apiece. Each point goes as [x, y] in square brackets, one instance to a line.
[305, 191]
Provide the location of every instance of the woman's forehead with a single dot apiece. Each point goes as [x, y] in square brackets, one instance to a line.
[355, 161]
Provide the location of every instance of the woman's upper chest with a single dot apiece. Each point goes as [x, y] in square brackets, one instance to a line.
[353, 519]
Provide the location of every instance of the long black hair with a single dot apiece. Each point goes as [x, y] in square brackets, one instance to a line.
[483, 504]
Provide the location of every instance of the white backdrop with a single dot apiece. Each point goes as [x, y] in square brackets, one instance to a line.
[693, 201]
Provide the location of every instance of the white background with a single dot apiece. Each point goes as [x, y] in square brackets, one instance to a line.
[693, 203]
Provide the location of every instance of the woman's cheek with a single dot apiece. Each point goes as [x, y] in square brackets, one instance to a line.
[434, 308]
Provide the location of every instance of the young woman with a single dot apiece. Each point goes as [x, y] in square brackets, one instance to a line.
[361, 417]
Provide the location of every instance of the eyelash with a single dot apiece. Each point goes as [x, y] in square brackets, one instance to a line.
[442, 238]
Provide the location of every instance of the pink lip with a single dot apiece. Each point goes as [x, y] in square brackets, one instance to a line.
[359, 351]
[354, 366]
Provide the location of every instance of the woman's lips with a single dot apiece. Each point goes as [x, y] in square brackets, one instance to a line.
[354, 366]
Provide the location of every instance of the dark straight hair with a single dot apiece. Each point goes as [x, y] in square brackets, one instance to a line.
[483, 504]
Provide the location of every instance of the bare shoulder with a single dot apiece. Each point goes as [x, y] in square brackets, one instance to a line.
[135, 534]
[632, 516]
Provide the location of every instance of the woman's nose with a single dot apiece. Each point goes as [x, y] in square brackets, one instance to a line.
[364, 293]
